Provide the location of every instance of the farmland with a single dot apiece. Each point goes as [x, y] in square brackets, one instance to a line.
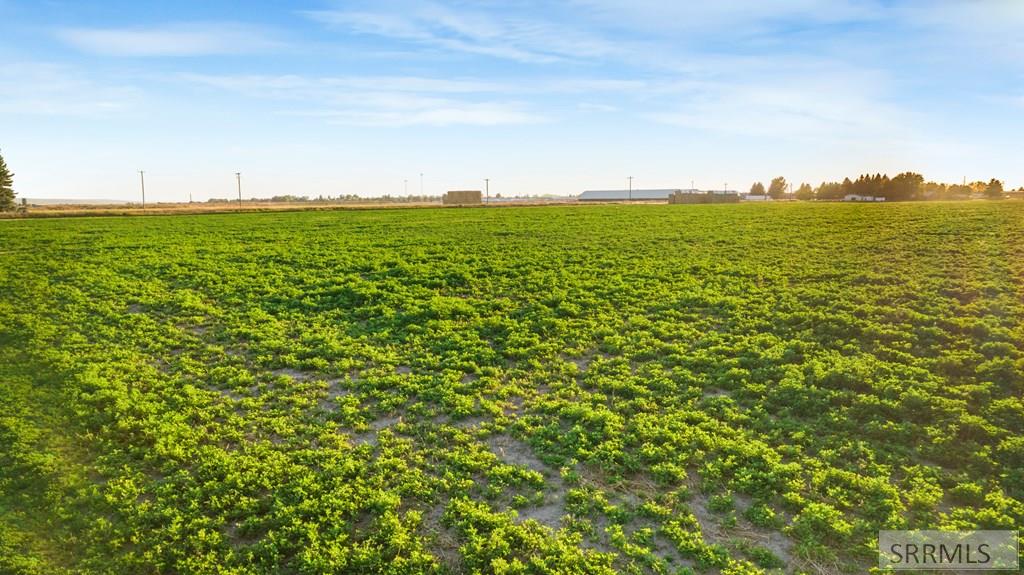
[731, 389]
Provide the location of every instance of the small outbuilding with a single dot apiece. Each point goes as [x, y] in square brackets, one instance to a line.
[860, 198]
[462, 198]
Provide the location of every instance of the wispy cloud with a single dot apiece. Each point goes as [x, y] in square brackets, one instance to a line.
[594, 107]
[181, 39]
[799, 100]
[381, 100]
[387, 112]
[324, 87]
[39, 88]
[465, 30]
[728, 19]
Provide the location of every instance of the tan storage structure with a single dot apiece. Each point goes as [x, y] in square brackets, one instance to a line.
[462, 197]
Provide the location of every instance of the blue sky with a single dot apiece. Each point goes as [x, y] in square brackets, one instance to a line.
[324, 97]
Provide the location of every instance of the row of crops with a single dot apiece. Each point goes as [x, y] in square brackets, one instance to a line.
[603, 389]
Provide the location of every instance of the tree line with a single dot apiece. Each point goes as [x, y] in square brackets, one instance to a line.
[906, 186]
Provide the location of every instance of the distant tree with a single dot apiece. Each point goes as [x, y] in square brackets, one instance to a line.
[6, 187]
[861, 186]
[978, 187]
[958, 191]
[872, 185]
[846, 187]
[829, 191]
[905, 186]
[777, 189]
[934, 191]
[881, 185]
[805, 192]
[994, 189]
[757, 189]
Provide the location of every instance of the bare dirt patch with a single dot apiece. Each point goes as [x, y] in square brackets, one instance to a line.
[714, 532]
[443, 543]
[376, 426]
[232, 532]
[713, 392]
[292, 373]
[515, 452]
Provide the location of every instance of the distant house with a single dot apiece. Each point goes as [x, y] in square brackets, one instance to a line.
[860, 198]
[702, 197]
[462, 197]
[626, 195]
[755, 197]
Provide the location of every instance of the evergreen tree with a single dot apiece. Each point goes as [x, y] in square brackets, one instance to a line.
[6, 187]
[805, 192]
[777, 188]
[994, 189]
[846, 187]
[829, 191]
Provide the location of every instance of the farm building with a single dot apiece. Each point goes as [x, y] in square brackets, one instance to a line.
[700, 197]
[860, 198]
[626, 195]
[461, 197]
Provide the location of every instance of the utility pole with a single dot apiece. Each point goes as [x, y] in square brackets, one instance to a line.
[421, 183]
[238, 178]
[142, 180]
[487, 188]
[190, 197]
[691, 186]
[630, 178]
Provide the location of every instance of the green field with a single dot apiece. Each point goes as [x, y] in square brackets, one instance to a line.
[635, 389]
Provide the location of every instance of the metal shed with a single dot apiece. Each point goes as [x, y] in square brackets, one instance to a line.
[626, 195]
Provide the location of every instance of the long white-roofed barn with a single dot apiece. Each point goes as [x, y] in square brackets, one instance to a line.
[627, 195]
[670, 195]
